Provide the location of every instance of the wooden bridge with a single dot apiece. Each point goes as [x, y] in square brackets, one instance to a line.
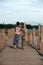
[26, 56]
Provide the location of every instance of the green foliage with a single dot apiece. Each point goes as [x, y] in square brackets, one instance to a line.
[31, 27]
[35, 26]
[7, 26]
[22, 24]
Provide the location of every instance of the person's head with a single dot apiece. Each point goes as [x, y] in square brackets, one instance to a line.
[17, 24]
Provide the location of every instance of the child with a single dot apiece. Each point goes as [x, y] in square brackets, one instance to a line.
[17, 35]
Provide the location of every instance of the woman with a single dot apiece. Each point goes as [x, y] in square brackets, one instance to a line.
[17, 35]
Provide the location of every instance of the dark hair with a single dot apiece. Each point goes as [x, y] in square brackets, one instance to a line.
[17, 23]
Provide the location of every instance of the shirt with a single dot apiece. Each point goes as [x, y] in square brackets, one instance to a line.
[17, 30]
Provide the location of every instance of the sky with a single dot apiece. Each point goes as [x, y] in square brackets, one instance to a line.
[28, 11]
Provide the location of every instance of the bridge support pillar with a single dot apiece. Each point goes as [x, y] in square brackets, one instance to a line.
[40, 44]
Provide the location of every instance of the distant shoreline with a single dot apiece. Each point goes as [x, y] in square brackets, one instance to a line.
[13, 26]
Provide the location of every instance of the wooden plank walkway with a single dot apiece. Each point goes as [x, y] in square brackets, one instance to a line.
[28, 56]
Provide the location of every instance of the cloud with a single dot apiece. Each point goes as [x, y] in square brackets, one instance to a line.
[7, 11]
[15, 3]
[5, 4]
[21, 10]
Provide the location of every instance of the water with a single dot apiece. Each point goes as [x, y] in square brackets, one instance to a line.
[30, 30]
[36, 41]
[36, 37]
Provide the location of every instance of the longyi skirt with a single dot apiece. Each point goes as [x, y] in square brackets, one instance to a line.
[16, 39]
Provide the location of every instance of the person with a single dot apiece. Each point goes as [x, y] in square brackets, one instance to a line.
[17, 35]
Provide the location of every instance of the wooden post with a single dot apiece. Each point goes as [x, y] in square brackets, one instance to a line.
[40, 44]
[2, 38]
[39, 36]
[11, 33]
[33, 35]
[31, 38]
[26, 33]
[41, 33]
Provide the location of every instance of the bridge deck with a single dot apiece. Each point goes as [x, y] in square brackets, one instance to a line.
[28, 56]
